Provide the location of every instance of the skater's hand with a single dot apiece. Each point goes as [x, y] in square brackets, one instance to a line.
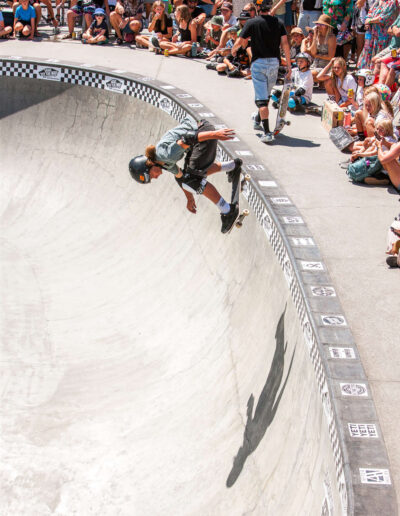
[288, 74]
[224, 134]
[191, 205]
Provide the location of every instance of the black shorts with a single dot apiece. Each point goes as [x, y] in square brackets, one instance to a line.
[193, 183]
[203, 153]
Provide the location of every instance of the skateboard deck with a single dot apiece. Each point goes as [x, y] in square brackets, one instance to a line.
[340, 137]
[238, 184]
[282, 108]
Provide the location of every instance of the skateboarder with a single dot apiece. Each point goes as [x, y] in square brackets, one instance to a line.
[197, 142]
[267, 34]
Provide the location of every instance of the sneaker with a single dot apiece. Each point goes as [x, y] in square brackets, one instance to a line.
[229, 218]
[392, 261]
[234, 73]
[267, 138]
[211, 66]
[238, 168]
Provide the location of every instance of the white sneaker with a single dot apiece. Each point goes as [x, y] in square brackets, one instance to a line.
[267, 138]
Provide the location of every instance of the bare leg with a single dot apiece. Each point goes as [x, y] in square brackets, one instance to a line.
[211, 193]
[393, 169]
[383, 73]
[390, 77]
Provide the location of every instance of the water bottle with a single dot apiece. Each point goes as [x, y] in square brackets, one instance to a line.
[193, 51]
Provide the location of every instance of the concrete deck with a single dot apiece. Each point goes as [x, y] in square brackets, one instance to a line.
[349, 223]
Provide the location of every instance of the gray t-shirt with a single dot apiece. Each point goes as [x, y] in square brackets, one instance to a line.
[168, 151]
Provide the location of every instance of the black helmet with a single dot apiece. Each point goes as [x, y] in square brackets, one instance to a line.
[139, 169]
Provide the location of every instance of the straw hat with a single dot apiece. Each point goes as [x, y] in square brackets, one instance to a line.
[324, 19]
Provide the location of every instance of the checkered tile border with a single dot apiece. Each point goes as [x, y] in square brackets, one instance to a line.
[263, 215]
[156, 97]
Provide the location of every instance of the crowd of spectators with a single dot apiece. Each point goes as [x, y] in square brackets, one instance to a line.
[349, 49]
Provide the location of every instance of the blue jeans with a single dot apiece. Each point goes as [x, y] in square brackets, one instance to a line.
[264, 72]
[307, 19]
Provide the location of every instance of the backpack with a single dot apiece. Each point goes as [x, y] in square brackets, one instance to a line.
[363, 168]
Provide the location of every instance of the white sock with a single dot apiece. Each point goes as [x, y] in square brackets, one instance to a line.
[223, 206]
[227, 166]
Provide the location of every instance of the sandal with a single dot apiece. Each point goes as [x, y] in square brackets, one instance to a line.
[119, 41]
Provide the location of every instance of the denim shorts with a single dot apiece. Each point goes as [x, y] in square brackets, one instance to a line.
[264, 73]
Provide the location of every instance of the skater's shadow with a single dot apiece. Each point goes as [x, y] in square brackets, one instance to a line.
[268, 402]
[291, 141]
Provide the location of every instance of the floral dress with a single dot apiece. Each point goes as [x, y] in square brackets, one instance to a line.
[377, 38]
[337, 10]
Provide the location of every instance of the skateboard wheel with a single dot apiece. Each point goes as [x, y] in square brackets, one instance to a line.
[246, 212]
[287, 122]
[247, 177]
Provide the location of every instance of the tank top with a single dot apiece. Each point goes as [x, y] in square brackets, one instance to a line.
[185, 34]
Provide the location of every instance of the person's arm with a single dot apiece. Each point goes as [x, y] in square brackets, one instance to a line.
[107, 8]
[191, 138]
[240, 42]
[32, 34]
[153, 22]
[324, 74]
[276, 7]
[286, 50]
[390, 155]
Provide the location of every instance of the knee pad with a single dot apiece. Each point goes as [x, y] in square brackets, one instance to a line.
[300, 91]
[292, 103]
[303, 100]
[262, 103]
[276, 95]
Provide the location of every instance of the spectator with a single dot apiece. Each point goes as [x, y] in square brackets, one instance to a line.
[309, 14]
[239, 65]
[379, 19]
[198, 17]
[184, 45]
[296, 39]
[393, 244]
[338, 82]
[160, 26]
[390, 162]
[213, 32]
[249, 11]
[385, 63]
[24, 20]
[360, 11]
[339, 11]
[97, 33]
[323, 45]
[38, 12]
[127, 19]
[5, 31]
[227, 14]
[374, 111]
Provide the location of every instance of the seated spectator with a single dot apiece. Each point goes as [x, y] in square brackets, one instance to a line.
[198, 17]
[393, 244]
[323, 46]
[126, 20]
[213, 32]
[36, 7]
[97, 33]
[307, 42]
[25, 20]
[238, 65]
[227, 14]
[390, 161]
[338, 82]
[374, 111]
[296, 39]
[302, 84]
[181, 41]
[160, 26]
[5, 31]
[248, 12]
[386, 55]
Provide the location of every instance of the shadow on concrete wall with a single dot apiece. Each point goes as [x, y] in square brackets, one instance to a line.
[268, 402]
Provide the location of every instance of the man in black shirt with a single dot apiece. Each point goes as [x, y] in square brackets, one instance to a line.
[267, 34]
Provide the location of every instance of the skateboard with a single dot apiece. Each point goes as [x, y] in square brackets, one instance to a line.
[340, 137]
[238, 185]
[282, 108]
[312, 108]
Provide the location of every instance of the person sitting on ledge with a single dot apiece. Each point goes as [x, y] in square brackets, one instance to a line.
[24, 20]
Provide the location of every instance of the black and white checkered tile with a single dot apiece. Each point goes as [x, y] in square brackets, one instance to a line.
[169, 98]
